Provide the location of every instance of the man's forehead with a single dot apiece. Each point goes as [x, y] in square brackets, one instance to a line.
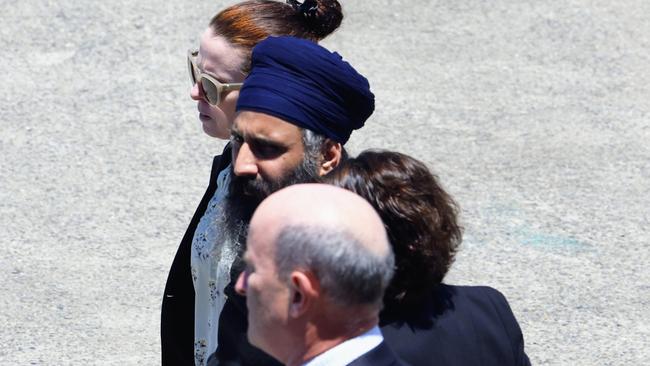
[260, 237]
[263, 125]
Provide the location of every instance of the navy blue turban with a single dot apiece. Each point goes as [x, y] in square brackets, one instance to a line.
[302, 83]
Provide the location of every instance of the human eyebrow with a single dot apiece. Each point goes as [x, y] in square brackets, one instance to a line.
[220, 79]
[202, 70]
[261, 140]
[266, 148]
[235, 135]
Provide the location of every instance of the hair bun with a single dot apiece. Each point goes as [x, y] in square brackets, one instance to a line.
[308, 8]
[321, 17]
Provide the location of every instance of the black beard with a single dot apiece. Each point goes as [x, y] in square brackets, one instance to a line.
[245, 194]
[257, 190]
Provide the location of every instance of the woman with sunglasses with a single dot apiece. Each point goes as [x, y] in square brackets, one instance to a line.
[193, 295]
[425, 321]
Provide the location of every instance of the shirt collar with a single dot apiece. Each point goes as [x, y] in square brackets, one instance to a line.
[348, 351]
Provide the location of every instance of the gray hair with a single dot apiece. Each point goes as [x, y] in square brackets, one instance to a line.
[314, 144]
[349, 273]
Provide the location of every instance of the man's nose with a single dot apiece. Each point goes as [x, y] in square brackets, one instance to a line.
[240, 285]
[245, 162]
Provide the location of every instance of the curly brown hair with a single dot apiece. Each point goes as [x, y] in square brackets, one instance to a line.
[419, 216]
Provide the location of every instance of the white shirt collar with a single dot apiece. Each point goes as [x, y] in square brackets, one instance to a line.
[348, 351]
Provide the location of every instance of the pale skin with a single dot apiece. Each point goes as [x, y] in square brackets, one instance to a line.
[293, 320]
[221, 60]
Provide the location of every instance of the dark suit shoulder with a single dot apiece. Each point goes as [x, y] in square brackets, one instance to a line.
[484, 297]
[458, 325]
[381, 355]
[479, 293]
[495, 306]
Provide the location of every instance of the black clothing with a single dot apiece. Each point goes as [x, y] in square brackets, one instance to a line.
[457, 325]
[177, 315]
[454, 325]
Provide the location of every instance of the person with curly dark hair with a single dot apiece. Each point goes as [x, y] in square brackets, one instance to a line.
[420, 218]
[425, 321]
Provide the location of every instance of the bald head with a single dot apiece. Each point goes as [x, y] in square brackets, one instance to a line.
[323, 206]
[318, 263]
[330, 232]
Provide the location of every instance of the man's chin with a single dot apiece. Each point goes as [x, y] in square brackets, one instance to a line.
[254, 193]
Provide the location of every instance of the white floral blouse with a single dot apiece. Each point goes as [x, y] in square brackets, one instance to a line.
[211, 260]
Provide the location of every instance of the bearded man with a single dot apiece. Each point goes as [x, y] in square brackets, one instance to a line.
[296, 110]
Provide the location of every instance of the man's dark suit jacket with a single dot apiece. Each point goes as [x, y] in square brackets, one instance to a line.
[381, 355]
[177, 318]
[456, 325]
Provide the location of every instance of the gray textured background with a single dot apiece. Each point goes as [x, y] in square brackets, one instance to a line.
[533, 113]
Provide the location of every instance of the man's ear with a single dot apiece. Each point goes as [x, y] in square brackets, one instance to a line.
[305, 290]
[331, 156]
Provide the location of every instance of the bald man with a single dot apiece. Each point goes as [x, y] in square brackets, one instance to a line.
[315, 279]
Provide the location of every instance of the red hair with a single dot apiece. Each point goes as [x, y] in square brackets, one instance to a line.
[247, 23]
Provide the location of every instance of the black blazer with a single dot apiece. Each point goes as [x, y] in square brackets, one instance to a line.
[234, 348]
[457, 325]
[381, 355]
[177, 317]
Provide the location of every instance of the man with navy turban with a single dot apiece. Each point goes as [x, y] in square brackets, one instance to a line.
[304, 84]
[295, 111]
